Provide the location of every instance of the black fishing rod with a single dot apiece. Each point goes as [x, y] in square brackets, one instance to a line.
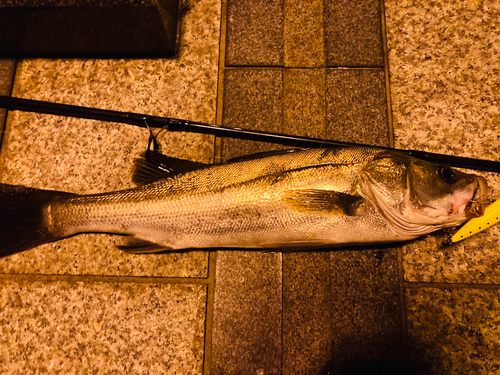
[173, 124]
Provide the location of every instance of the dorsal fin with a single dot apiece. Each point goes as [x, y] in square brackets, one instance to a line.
[152, 166]
[265, 154]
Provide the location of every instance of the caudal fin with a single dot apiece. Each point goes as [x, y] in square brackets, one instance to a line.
[22, 220]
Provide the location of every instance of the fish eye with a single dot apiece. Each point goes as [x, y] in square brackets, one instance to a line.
[446, 174]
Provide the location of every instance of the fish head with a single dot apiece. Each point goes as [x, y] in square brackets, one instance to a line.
[418, 197]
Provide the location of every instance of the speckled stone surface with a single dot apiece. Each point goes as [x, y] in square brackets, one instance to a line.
[303, 34]
[39, 3]
[356, 108]
[305, 106]
[246, 331]
[365, 306]
[253, 99]
[63, 327]
[455, 331]
[7, 67]
[445, 82]
[6, 74]
[353, 33]
[254, 33]
[85, 156]
[306, 312]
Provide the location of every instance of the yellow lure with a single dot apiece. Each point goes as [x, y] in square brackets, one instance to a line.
[491, 216]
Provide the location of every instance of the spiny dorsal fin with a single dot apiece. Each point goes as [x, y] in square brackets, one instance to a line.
[322, 201]
[152, 166]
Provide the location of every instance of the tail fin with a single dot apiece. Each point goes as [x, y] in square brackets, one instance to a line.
[22, 220]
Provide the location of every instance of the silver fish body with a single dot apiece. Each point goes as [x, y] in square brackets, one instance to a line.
[310, 198]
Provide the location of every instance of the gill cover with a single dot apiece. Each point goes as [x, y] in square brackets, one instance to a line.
[417, 197]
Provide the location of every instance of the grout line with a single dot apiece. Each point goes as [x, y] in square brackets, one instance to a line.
[209, 314]
[275, 67]
[3, 126]
[212, 257]
[401, 282]
[219, 111]
[402, 304]
[283, 369]
[325, 134]
[329, 312]
[387, 75]
[283, 256]
[103, 279]
[420, 284]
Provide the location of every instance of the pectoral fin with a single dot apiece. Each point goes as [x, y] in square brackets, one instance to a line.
[322, 201]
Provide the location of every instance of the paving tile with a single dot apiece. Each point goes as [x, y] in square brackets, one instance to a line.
[83, 156]
[353, 33]
[63, 327]
[246, 332]
[306, 292]
[444, 83]
[304, 98]
[356, 108]
[306, 315]
[7, 67]
[365, 300]
[365, 307]
[303, 34]
[253, 99]
[254, 33]
[454, 331]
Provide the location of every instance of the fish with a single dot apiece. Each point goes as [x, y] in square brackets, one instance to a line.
[298, 199]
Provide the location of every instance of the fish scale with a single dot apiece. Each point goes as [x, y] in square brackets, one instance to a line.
[298, 198]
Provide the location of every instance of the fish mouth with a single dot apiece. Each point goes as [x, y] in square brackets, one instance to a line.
[475, 206]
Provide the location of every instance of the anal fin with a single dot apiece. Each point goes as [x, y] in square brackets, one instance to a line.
[133, 245]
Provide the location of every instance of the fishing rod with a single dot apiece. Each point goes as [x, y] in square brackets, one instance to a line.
[174, 124]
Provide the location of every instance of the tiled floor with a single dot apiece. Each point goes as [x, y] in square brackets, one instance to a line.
[420, 75]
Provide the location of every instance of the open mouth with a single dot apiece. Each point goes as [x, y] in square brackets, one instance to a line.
[475, 206]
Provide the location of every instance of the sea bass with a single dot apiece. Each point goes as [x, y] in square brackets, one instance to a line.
[288, 199]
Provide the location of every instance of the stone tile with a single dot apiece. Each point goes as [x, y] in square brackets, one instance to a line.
[474, 260]
[304, 95]
[454, 331]
[253, 99]
[353, 33]
[84, 156]
[254, 33]
[246, 331]
[63, 327]
[34, 3]
[306, 315]
[444, 83]
[356, 109]
[365, 307]
[303, 34]
[7, 68]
